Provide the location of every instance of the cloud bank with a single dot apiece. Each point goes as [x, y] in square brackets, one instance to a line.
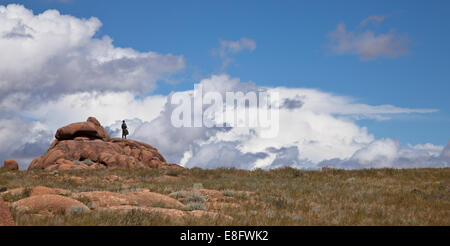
[317, 129]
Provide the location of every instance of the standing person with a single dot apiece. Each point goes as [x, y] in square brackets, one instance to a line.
[124, 129]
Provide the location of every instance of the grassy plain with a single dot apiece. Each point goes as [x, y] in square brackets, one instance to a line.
[276, 197]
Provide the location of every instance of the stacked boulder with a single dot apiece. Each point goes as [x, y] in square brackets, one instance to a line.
[86, 145]
[11, 165]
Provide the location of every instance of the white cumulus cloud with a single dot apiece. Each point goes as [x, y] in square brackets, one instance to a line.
[49, 54]
[107, 107]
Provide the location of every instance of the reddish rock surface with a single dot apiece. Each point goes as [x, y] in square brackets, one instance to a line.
[152, 199]
[90, 129]
[12, 192]
[48, 204]
[86, 145]
[42, 190]
[11, 165]
[6, 218]
[103, 199]
[45, 201]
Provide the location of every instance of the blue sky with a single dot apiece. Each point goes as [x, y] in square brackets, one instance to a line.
[293, 49]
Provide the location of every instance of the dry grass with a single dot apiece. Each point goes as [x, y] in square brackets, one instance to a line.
[276, 197]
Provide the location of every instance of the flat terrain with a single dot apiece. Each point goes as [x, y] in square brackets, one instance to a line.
[276, 197]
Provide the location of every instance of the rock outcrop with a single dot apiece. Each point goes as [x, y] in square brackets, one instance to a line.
[46, 201]
[6, 218]
[91, 129]
[11, 165]
[42, 190]
[102, 199]
[86, 145]
[49, 204]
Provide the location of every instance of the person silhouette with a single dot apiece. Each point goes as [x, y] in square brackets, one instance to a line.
[124, 129]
